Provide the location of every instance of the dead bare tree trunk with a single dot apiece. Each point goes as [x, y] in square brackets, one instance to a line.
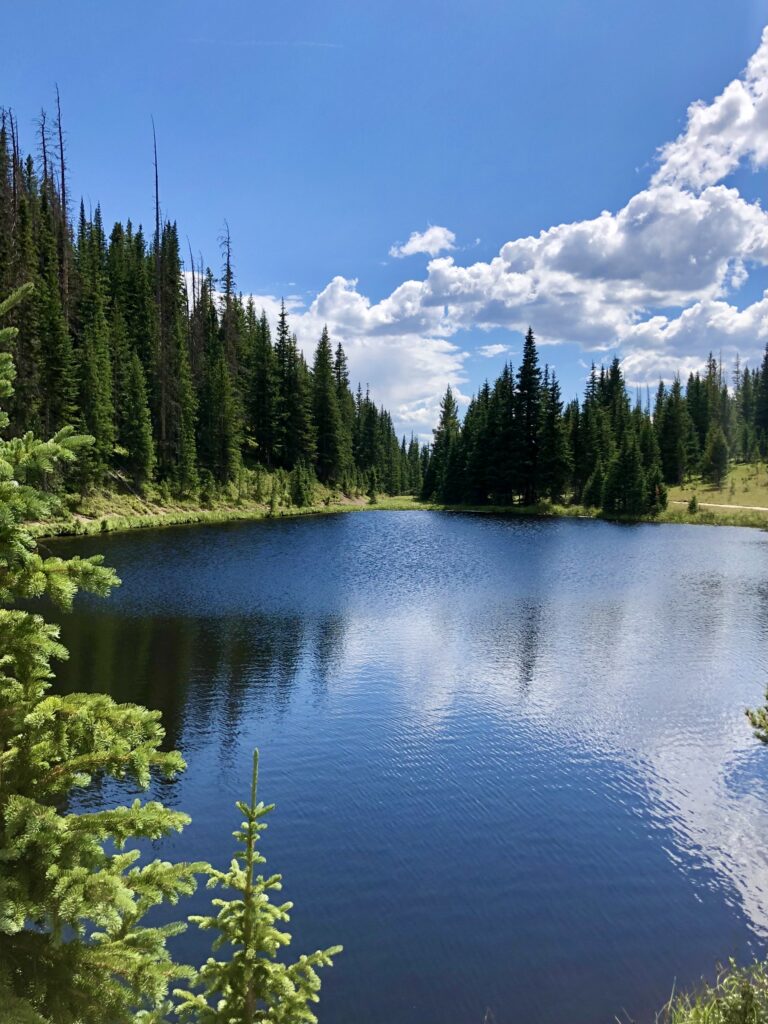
[44, 147]
[64, 225]
[162, 374]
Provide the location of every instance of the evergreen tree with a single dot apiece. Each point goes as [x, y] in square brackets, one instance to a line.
[476, 449]
[625, 489]
[651, 456]
[260, 400]
[218, 433]
[612, 396]
[220, 441]
[592, 493]
[761, 397]
[501, 478]
[527, 419]
[58, 371]
[139, 309]
[74, 948]
[714, 463]
[674, 434]
[174, 400]
[136, 434]
[343, 392]
[302, 485]
[555, 456]
[96, 393]
[24, 404]
[415, 476]
[745, 402]
[294, 430]
[252, 984]
[282, 383]
[441, 480]
[594, 445]
[333, 454]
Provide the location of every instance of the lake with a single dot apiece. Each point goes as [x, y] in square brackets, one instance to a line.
[510, 758]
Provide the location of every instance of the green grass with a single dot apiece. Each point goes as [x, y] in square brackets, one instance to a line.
[106, 512]
[674, 514]
[745, 485]
[740, 996]
[715, 517]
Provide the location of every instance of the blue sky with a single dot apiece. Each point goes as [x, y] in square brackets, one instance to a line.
[328, 133]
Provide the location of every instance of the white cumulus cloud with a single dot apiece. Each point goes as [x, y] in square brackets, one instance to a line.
[656, 280]
[718, 135]
[430, 242]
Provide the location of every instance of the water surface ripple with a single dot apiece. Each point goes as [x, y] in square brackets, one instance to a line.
[510, 758]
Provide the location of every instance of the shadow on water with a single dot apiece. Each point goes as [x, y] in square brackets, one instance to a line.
[179, 665]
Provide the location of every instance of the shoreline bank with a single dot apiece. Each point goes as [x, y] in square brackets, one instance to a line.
[119, 515]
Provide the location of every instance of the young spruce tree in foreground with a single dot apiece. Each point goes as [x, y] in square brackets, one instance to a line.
[251, 984]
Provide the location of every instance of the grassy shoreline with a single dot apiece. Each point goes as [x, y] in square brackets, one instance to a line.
[111, 513]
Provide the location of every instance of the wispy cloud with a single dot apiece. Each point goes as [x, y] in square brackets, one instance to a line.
[489, 351]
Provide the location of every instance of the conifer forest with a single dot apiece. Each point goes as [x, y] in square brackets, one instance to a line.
[177, 379]
[183, 383]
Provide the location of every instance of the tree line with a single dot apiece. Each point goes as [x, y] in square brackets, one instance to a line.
[180, 380]
[519, 443]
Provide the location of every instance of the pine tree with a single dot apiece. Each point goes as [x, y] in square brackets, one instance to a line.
[220, 447]
[260, 397]
[141, 314]
[282, 385]
[58, 371]
[761, 398]
[96, 394]
[745, 400]
[302, 485]
[592, 493]
[625, 490]
[174, 400]
[333, 455]
[218, 424]
[478, 448]
[612, 395]
[73, 945]
[7, 211]
[527, 419]
[714, 463]
[251, 984]
[24, 404]
[553, 444]
[441, 481]
[651, 456]
[674, 434]
[136, 433]
[300, 431]
[415, 479]
[594, 446]
[343, 392]
[501, 477]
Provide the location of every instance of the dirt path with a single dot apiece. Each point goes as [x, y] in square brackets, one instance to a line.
[710, 504]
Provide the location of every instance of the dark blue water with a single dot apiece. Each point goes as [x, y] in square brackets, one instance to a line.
[510, 758]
